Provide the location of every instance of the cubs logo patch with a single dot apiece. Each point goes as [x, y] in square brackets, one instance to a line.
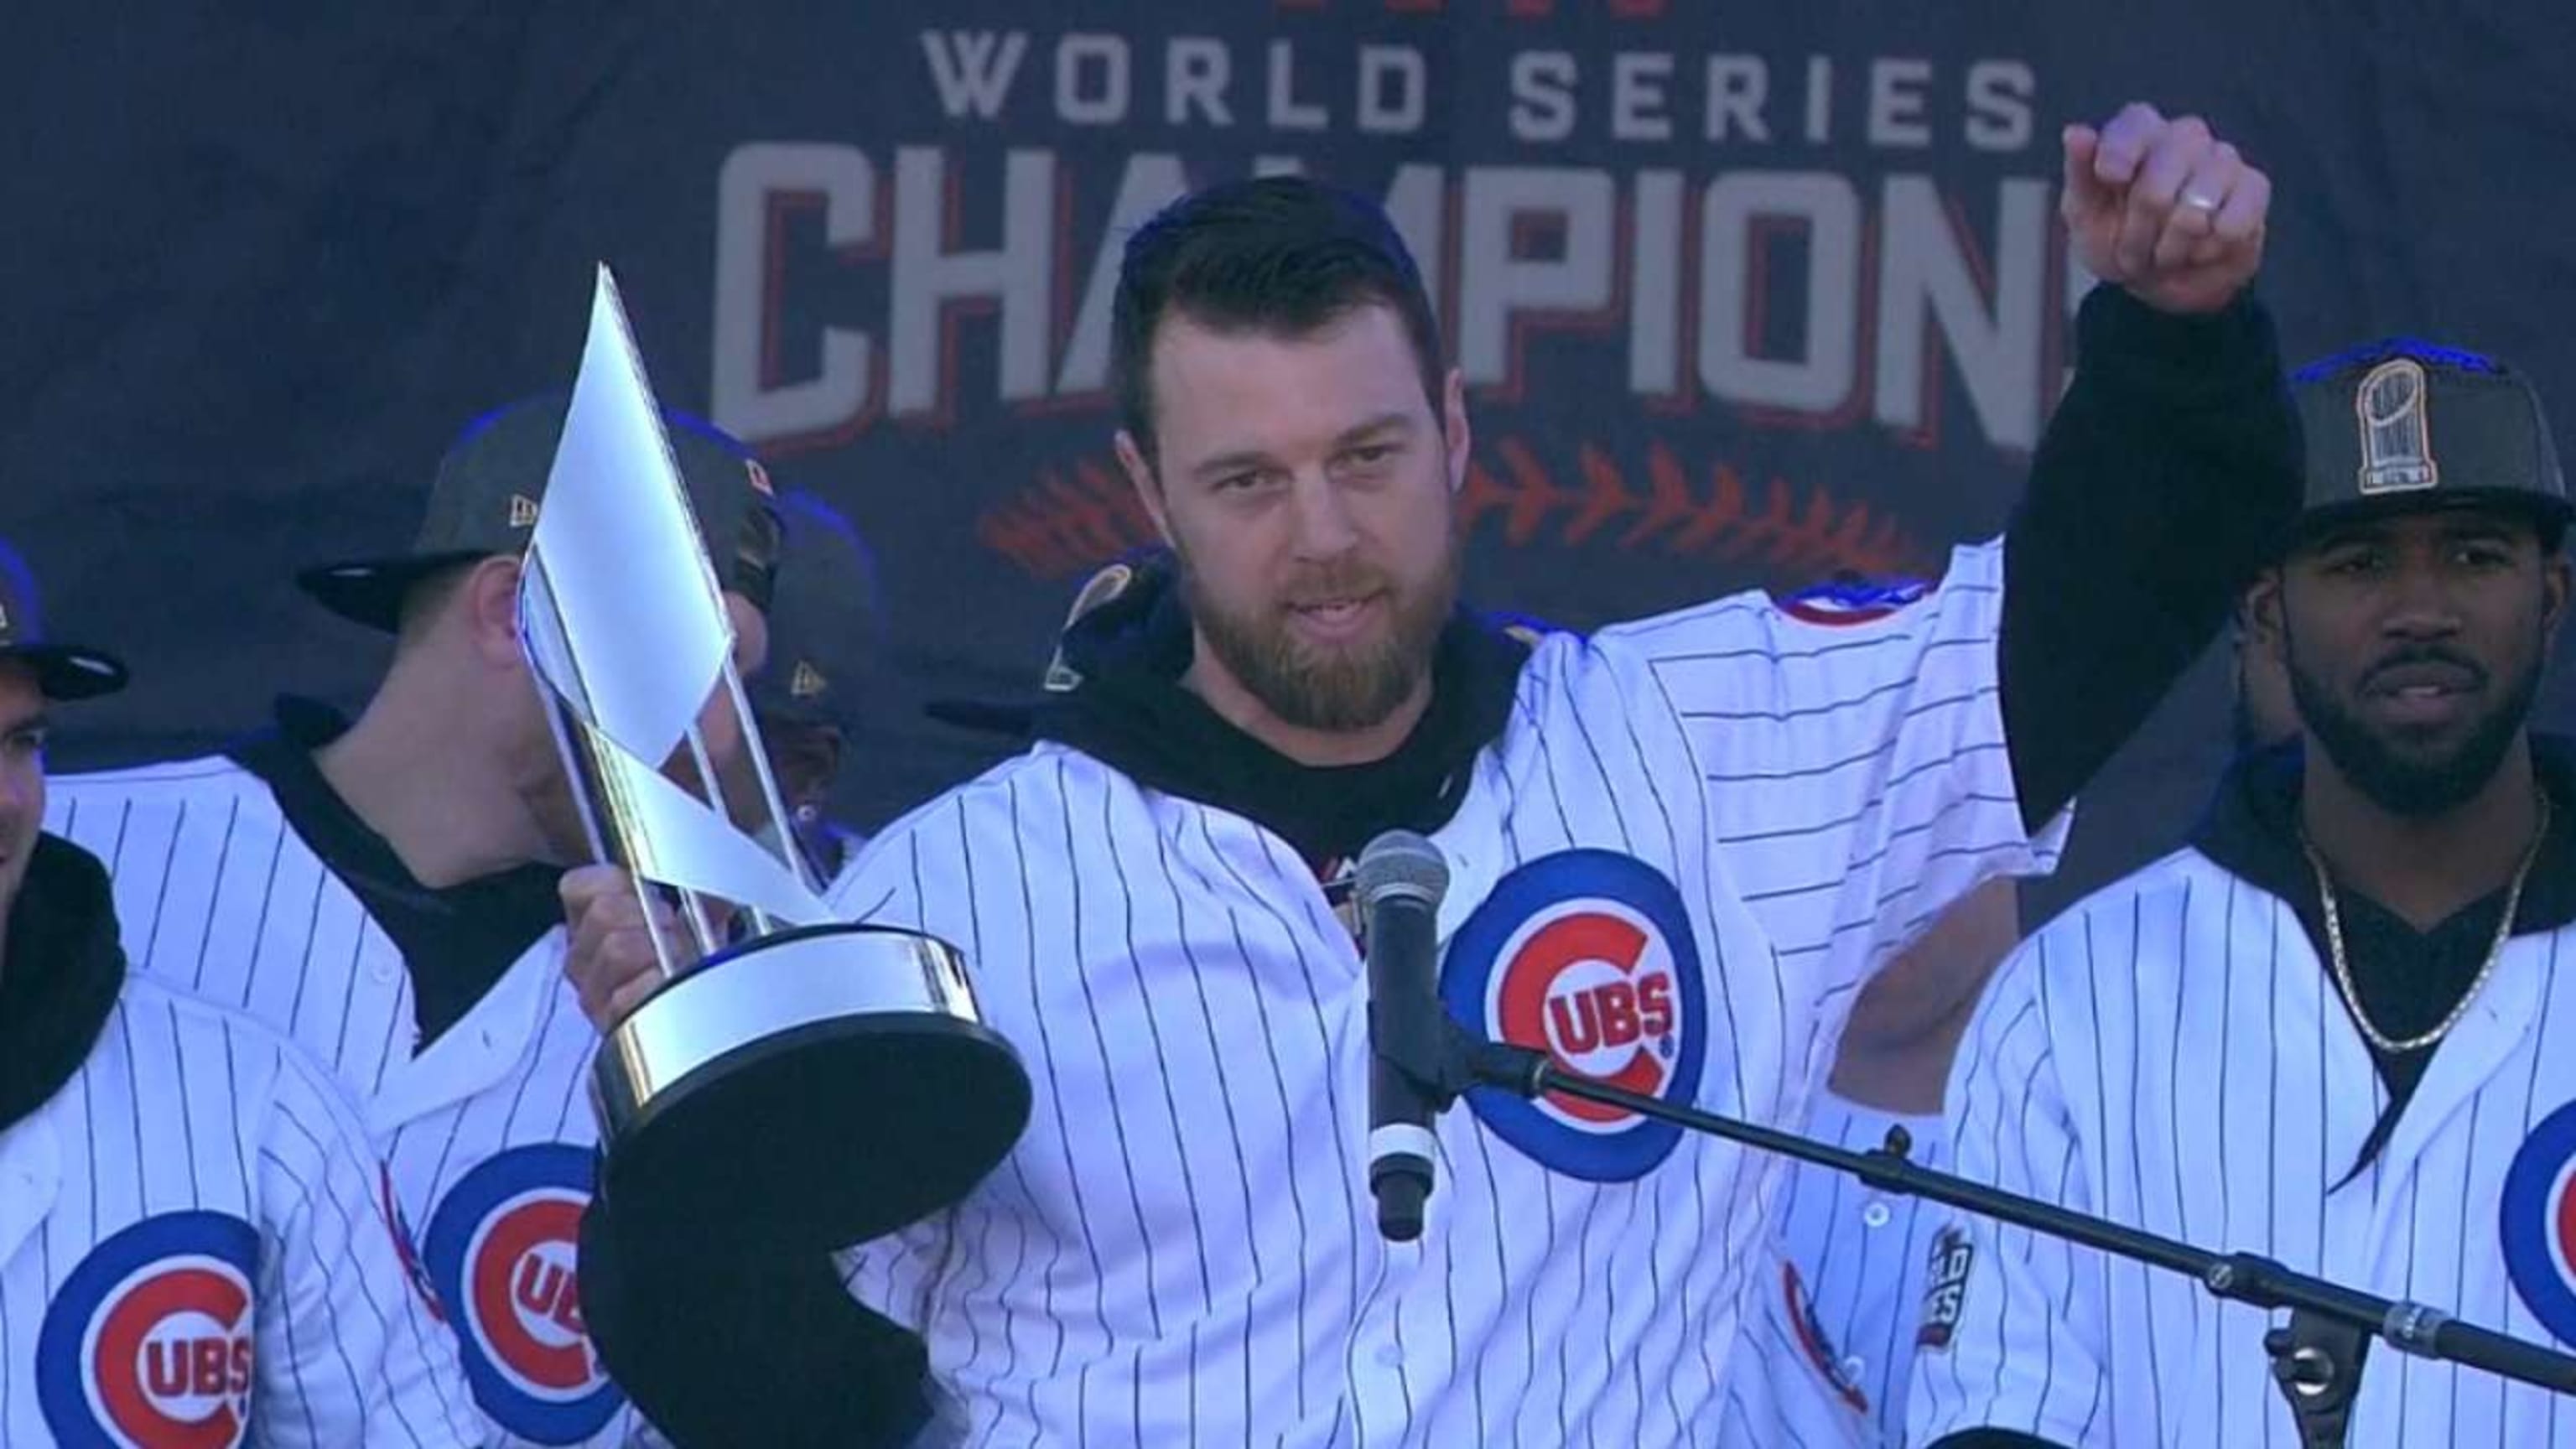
[1945, 1288]
[1587, 954]
[152, 1340]
[1850, 599]
[501, 1254]
[1812, 1341]
[2539, 1223]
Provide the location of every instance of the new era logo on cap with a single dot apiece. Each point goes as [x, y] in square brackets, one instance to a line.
[523, 511]
[808, 681]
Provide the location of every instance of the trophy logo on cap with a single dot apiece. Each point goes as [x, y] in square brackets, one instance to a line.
[815, 1082]
[2396, 444]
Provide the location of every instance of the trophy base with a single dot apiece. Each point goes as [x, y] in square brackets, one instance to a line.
[812, 1089]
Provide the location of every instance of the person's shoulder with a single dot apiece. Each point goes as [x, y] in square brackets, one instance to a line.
[2164, 882]
[1042, 772]
[1031, 786]
[200, 777]
[2126, 916]
[1849, 612]
[213, 1038]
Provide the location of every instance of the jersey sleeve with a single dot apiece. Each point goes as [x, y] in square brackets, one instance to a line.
[889, 882]
[349, 1350]
[2012, 1332]
[1851, 746]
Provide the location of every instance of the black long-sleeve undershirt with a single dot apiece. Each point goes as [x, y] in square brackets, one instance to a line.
[2168, 472]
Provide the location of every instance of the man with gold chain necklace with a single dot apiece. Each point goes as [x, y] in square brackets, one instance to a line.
[2340, 1028]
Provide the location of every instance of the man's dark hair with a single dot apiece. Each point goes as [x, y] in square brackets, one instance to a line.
[1279, 255]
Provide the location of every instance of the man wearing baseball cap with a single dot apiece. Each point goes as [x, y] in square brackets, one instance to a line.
[193, 1247]
[2334, 1030]
[384, 892]
[824, 636]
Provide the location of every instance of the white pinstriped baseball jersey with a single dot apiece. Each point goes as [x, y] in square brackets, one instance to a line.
[1859, 1254]
[488, 1133]
[1695, 837]
[194, 1250]
[2171, 1054]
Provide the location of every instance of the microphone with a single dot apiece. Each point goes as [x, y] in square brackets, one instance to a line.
[1399, 879]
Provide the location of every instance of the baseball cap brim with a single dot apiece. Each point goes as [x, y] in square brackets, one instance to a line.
[67, 671]
[371, 591]
[2544, 510]
[774, 702]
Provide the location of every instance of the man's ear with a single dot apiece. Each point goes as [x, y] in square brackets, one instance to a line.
[491, 607]
[1141, 476]
[2554, 582]
[1453, 428]
[2258, 613]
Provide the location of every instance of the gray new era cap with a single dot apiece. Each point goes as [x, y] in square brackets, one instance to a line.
[2401, 425]
[485, 496]
[826, 621]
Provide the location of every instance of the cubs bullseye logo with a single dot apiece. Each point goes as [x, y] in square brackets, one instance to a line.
[2539, 1223]
[152, 1342]
[501, 1257]
[1589, 955]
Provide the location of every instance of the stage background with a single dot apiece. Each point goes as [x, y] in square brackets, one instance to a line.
[1745, 294]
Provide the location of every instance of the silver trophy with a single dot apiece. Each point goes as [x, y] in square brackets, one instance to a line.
[814, 1082]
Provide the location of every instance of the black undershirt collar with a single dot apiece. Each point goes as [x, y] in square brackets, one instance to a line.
[2408, 980]
[456, 942]
[1131, 711]
[61, 978]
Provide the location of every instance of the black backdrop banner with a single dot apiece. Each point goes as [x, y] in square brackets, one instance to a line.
[1744, 295]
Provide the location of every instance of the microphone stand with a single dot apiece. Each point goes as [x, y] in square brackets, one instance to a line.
[2239, 1277]
[2317, 1363]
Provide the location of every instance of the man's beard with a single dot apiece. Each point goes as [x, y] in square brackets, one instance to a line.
[2406, 784]
[1336, 691]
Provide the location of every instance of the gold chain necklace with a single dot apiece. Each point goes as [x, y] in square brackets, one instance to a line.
[2343, 968]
